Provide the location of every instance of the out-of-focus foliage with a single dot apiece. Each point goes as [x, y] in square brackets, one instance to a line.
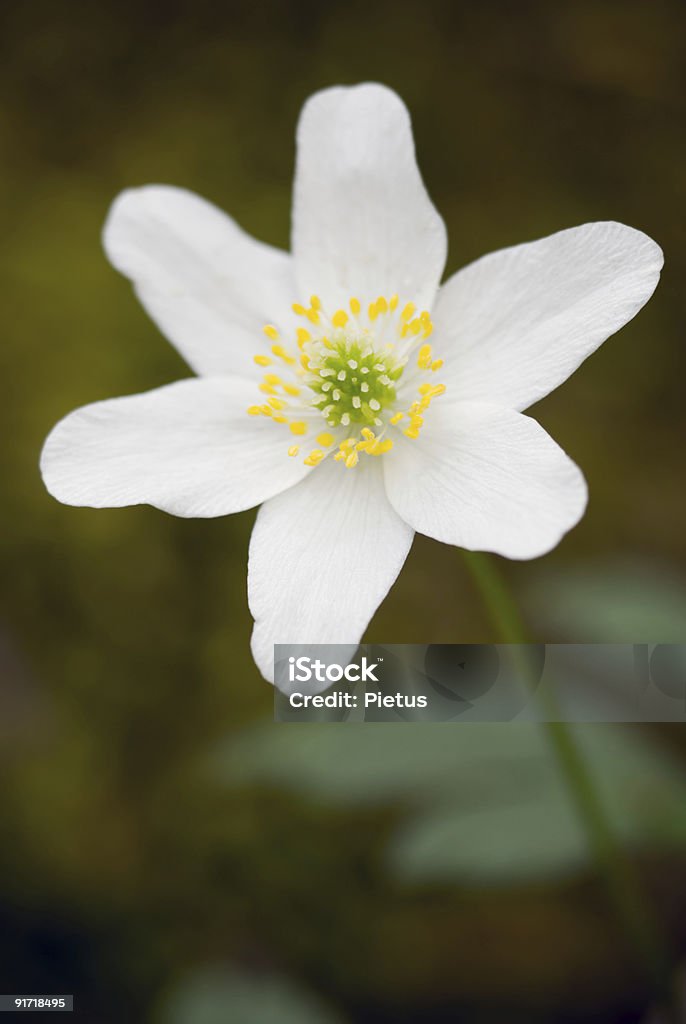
[216, 996]
[124, 657]
[485, 806]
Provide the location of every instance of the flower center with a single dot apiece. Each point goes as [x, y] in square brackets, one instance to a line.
[353, 373]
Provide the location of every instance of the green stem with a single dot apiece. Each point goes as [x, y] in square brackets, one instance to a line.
[623, 885]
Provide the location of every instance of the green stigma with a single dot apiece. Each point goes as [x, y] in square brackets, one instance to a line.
[352, 383]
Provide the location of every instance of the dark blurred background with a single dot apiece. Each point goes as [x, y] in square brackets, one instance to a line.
[168, 854]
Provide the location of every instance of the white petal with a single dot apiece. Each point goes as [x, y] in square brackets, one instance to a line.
[188, 448]
[208, 285]
[485, 478]
[322, 558]
[363, 223]
[515, 324]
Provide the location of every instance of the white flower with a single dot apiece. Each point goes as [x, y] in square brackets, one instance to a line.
[338, 386]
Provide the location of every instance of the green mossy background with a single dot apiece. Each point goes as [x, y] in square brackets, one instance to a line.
[124, 635]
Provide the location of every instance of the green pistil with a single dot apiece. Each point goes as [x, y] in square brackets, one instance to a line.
[354, 385]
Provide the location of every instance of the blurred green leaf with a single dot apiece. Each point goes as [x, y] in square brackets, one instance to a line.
[620, 602]
[494, 807]
[539, 836]
[216, 996]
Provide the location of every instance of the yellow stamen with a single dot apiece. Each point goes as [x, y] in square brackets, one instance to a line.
[298, 427]
[340, 318]
[352, 460]
[267, 389]
[272, 378]
[408, 311]
[314, 458]
[303, 336]
[397, 418]
[298, 309]
[280, 351]
[294, 449]
[355, 306]
[262, 360]
[277, 403]
[383, 446]
[373, 311]
[325, 439]
[254, 410]
[424, 357]
[304, 362]
[315, 302]
[381, 304]
[437, 364]
[291, 389]
[271, 331]
[313, 316]
[393, 303]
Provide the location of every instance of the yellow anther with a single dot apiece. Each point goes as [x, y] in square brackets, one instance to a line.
[397, 418]
[428, 329]
[315, 302]
[439, 390]
[314, 458]
[373, 311]
[270, 331]
[313, 316]
[267, 410]
[382, 447]
[267, 389]
[424, 357]
[291, 389]
[348, 443]
[408, 311]
[254, 410]
[381, 304]
[293, 450]
[262, 360]
[298, 427]
[340, 318]
[416, 421]
[424, 389]
[355, 306]
[393, 302]
[339, 456]
[305, 361]
[415, 326]
[364, 446]
[303, 336]
[279, 419]
[352, 460]
[272, 378]
[325, 439]
[437, 364]
[368, 434]
[280, 351]
[277, 403]
[298, 309]
[412, 432]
